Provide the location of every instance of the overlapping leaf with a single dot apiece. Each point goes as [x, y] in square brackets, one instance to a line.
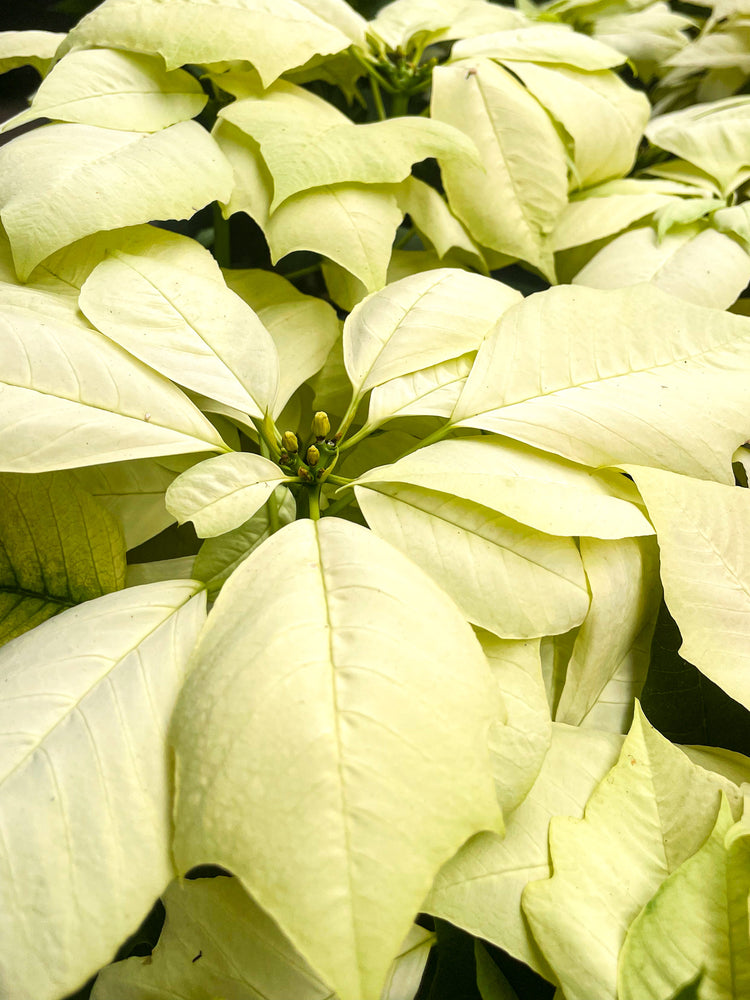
[325, 684]
[85, 783]
[669, 390]
[53, 178]
[541, 43]
[28, 48]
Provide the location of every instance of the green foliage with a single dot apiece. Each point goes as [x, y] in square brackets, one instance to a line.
[447, 535]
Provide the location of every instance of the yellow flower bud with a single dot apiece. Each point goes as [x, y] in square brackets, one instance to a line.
[313, 455]
[289, 441]
[321, 425]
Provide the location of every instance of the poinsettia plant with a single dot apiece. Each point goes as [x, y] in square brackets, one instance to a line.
[377, 699]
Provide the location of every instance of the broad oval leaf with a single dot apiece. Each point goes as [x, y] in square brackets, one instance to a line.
[52, 179]
[704, 540]
[538, 489]
[222, 493]
[541, 43]
[120, 90]
[191, 328]
[512, 202]
[508, 578]
[432, 391]
[693, 263]
[85, 781]
[670, 390]
[71, 397]
[273, 38]
[58, 547]
[420, 321]
[325, 683]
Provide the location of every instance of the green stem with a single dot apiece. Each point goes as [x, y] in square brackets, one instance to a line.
[378, 99]
[272, 505]
[437, 435]
[346, 420]
[399, 104]
[339, 480]
[267, 437]
[333, 508]
[404, 238]
[314, 503]
[302, 272]
[362, 433]
[222, 240]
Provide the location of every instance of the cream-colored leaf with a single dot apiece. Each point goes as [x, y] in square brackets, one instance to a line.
[670, 390]
[505, 577]
[120, 90]
[702, 530]
[253, 185]
[401, 21]
[694, 263]
[512, 202]
[85, 782]
[436, 223]
[274, 37]
[222, 493]
[28, 48]
[420, 321]
[160, 571]
[71, 397]
[612, 650]
[53, 178]
[191, 328]
[432, 391]
[362, 755]
[541, 43]
[548, 493]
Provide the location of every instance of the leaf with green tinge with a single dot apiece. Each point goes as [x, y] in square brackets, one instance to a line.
[222, 493]
[51, 183]
[652, 812]
[351, 224]
[303, 327]
[398, 23]
[191, 328]
[95, 403]
[120, 90]
[685, 929]
[432, 391]
[541, 43]
[420, 321]
[603, 116]
[611, 653]
[159, 571]
[253, 185]
[325, 684]
[694, 263]
[512, 202]
[491, 982]
[85, 781]
[58, 547]
[28, 48]
[436, 223]
[702, 530]
[274, 39]
[505, 577]
[306, 143]
[480, 888]
[534, 487]
[671, 390]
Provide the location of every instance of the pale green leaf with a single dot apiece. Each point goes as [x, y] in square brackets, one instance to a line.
[363, 758]
[85, 781]
[652, 812]
[682, 172]
[160, 571]
[242, 953]
[684, 929]
[222, 493]
[670, 391]
[420, 321]
[432, 391]
[682, 212]
[649, 38]
[519, 744]
[436, 223]
[219, 557]
[253, 185]
[612, 650]
[699, 265]
[93, 403]
[541, 43]
[480, 888]
[273, 37]
[402, 21]
[548, 493]
[191, 328]
[508, 578]
[58, 547]
[491, 983]
[734, 220]
[512, 202]
[737, 843]
[303, 327]
[119, 90]
[351, 224]
[603, 116]
[28, 48]
[702, 530]
[407, 968]
[716, 50]
[133, 492]
[52, 179]
[306, 143]
[713, 136]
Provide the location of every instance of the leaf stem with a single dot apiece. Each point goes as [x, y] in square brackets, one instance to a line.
[222, 238]
[346, 420]
[378, 99]
[314, 503]
[437, 435]
[301, 272]
[343, 502]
